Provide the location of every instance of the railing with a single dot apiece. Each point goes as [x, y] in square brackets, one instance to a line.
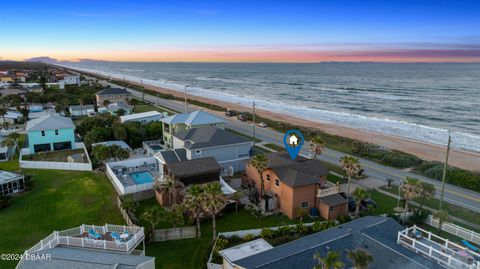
[444, 252]
[66, 238]
[329, 191]
[454, 229]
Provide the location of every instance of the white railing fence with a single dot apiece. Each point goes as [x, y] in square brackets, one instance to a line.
[438, 248]
[329, 191]
[454, 229]
[55, 165]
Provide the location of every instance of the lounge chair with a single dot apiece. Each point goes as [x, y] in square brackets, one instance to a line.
[418, 235]
[469, 245]
[115, 236]
[93, 234]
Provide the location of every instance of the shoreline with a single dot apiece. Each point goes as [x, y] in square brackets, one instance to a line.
[460, 158]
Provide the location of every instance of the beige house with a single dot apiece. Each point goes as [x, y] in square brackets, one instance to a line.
[290, 185]
[112, 95]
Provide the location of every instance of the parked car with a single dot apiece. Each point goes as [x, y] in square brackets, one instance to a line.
[263, 124]
[230, 113]
[365, 204]
[242, 117]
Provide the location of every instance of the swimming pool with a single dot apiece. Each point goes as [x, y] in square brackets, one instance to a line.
[141, 177]
[156, 147]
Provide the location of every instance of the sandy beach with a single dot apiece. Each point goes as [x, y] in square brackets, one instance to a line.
[458, 158]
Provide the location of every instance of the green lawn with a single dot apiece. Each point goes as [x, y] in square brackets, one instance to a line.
[244, 135]
[173, 254]
[452, 210]
[147, 107]
[59, 200]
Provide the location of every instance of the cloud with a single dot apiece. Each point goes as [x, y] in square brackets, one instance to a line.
[43, 59]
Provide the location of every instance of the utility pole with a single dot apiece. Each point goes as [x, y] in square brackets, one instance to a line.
[158, 99]
[445, 166]
[186, 97]
[254, 123]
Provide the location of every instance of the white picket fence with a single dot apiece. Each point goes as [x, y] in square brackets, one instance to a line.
[454, 229]
[55, 165]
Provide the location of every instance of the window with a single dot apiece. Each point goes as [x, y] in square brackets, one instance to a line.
[43, 133]
[56, 132]
[304, 204]
[277, 182]
[268, 177]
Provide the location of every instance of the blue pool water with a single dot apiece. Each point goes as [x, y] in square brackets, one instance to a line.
[141, 177]
[156, 147]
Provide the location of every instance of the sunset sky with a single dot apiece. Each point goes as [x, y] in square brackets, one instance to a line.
[242, 31]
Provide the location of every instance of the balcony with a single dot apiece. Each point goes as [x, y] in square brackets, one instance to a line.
[328, 191]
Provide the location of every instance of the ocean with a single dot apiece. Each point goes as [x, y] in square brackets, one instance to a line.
[420, 101]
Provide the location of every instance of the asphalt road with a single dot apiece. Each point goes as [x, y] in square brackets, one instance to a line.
[453, 194]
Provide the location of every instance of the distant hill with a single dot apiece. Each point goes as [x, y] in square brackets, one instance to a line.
[22, 65]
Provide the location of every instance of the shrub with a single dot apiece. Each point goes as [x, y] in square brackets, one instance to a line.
[284, 230]
[29, 183]
[343, 219]
[419, 216]
[5, 201]
[248, 237]
[266, 233]
[400, 160]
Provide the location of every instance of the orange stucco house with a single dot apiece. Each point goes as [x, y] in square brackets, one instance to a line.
[292, 184]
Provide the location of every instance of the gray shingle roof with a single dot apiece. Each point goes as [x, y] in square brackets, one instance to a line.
[74, 258]
[298, 172]
[194, 167]
[377, 235]
[174, 156]
[49, 122]
[197, 117]
[333, 199]
[110, 91]
[206, 137]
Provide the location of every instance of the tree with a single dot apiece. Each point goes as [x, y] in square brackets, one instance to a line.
[153, 216]
[427, 192]
[317, 146]
[442, 217]
[120, 112]
[237, 196]
[101, 153]
[118, 153]
[193, 203]
[359, 195]
[411, 189]
[133, 102]
[153, 130]
[128, 204]
[175, 215]
[14, 136]
[9, 143]
[169, 186]
[25, 112]
[260, 163]
[360, 258]
[106, 102]
[119, 132]
[3, 112]
[351, 166]
[59, 107]
[213, 202]
[330, 261]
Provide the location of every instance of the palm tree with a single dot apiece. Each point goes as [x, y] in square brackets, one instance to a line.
[14, 136]
[317, 146]
[193, 203]
[237, 196]
[427, 192]
[260, 163]
[330, 261]
[442, 217]
[411, 189]
[213, 202]
[153, 216]
[3, 112]
[351, 166]
[168, 186]
[360, 258]
[359, 195]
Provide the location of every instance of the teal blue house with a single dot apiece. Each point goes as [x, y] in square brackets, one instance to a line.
[50, 133]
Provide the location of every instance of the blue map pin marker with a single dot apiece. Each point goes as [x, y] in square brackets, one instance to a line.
[293, 141]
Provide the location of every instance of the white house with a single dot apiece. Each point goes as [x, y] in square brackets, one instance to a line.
[293, 140]
[82, 110]
[231, 151]
[69, 80]
[144, 117]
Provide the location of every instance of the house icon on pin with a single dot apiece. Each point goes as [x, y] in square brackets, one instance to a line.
[293, 141]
